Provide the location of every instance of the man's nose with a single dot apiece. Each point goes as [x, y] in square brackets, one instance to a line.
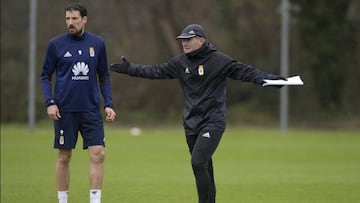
[70, 21]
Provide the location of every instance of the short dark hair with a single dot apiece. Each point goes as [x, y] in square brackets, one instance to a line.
[77, 7]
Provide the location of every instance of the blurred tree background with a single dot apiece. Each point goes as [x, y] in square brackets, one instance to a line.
[324, 50]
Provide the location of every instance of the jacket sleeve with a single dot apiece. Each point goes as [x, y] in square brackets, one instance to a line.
[104, 77]
[246, 73]
[158, 71]
[48, 70]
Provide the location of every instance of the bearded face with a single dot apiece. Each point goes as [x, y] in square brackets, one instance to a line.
[75, 23]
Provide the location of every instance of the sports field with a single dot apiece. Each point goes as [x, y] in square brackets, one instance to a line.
[251, 166]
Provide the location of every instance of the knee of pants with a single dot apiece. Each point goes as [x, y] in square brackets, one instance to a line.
[199, 164]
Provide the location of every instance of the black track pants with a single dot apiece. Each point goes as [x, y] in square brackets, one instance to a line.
[202, 147]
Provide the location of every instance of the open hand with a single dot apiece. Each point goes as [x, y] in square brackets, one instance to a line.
[122, 67]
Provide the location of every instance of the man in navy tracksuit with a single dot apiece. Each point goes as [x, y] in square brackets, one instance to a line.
[79, 61]
[202, 72]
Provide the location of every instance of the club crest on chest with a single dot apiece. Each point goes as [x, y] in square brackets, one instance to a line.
[201, 69]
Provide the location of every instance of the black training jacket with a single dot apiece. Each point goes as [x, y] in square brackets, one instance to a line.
[202, 75]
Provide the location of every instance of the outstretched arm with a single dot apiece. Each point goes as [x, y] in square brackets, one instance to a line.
[159, 71]
[246, 73]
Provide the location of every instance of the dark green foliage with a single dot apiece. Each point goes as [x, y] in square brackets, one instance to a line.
[324, 29]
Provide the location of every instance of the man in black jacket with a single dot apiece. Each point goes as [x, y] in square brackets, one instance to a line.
[202, 72]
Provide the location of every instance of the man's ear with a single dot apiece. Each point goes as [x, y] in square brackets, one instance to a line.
[85, 19]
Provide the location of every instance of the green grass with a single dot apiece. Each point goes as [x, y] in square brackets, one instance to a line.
[251, 165]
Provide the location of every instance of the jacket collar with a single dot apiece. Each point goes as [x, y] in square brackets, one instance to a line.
[77, 38]
[202, 52]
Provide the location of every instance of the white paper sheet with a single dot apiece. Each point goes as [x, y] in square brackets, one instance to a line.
[295, 80]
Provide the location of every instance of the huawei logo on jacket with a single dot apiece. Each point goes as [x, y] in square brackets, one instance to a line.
[80, 70]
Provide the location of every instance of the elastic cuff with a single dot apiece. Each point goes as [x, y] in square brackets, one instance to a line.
[50, 102]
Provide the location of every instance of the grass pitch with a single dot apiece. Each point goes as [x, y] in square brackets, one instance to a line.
[251, 166]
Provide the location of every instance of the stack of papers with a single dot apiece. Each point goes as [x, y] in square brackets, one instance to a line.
[296, 80]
